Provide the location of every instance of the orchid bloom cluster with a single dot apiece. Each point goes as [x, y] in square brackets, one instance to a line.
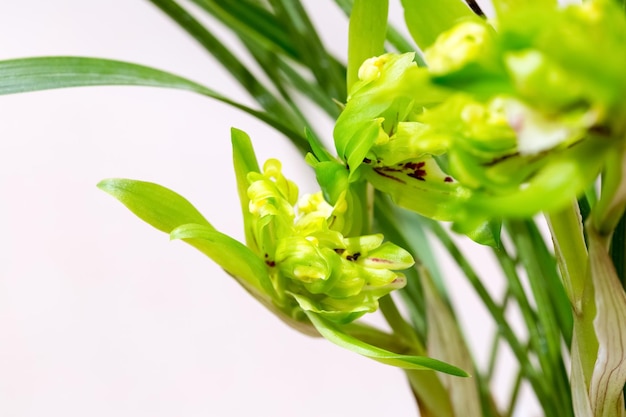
[502, 123]
[309, 260]
[508, 119]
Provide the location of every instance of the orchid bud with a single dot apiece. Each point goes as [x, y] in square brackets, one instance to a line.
[308, 258]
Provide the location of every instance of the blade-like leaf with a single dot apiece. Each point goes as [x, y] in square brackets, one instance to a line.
[367, 33]
[543, 279]
[224, 55]
[530, 373]
[264, 32]
[309, 88]
[394, 37]
[158, 206]
[446, 342]
[243, 265]
[46, 73]
[252, 22]
[333, 334]
[266, 99]
[234, 257]
[328, 73]
[317, 147]
[427, 19]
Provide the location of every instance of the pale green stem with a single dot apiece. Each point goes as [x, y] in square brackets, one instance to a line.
[571, 252]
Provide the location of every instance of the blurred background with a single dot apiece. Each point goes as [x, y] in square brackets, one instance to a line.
[101, 315]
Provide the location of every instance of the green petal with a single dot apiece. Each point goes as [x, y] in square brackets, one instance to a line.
[421, 187]
[388, 256]
[333, 334]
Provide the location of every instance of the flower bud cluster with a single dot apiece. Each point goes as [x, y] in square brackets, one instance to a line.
[312, 266]
[501, 115]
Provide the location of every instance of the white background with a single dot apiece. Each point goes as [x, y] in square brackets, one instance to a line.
[100, 315]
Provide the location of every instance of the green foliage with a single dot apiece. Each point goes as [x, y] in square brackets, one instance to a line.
[330, 332]
[426, 20]
[158, 206]
[490, 124]
[301, 268]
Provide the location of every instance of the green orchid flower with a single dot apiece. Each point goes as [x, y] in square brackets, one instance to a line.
[296, 260]
[311, 266]
[383, 139]
[485, 131]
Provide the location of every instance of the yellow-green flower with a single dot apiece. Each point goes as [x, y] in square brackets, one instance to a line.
[505, 122]
[310, 265]
[296, 260]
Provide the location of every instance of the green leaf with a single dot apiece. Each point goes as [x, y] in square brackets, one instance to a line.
[327, 71]
[270, 45]
[366, 35]
[307, 87]
[427, 19]
[244, 161]
[319, 151]
[46, 73]
[447, 343]
[252, 22]
[224, 55]
[518, 349]
[549, 295]
[158, 206]
[234, 257]
[609, 373]
[394, 37]
[509, 7]
[333, 334]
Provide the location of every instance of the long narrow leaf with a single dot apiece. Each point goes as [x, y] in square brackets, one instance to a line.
[212, 44]
[446, 342]
[328, 74]
[541, 273]
[394, 37]
[252, 22]
[538, 384]
[366, 35]
[233, 65]
[338, 337]
[426, 19]
[158, 206]
[46, 73]
[234, 257]
[308, 88]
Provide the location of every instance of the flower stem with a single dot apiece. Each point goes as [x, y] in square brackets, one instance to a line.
[571, 251]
